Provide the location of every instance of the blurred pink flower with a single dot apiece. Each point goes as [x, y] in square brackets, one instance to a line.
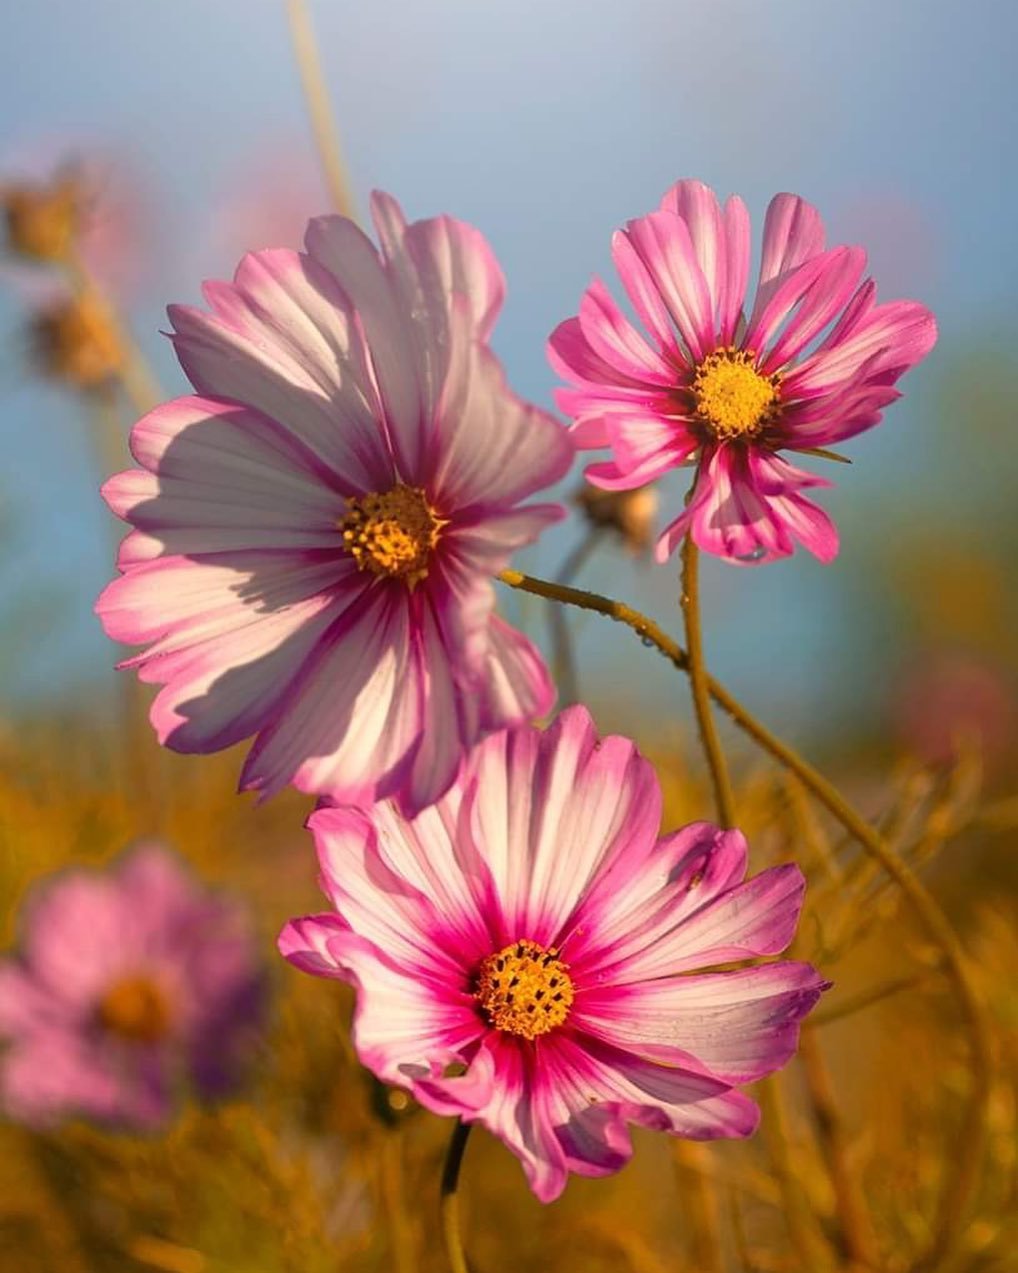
[318, 529]
[129, 985]
[532, 928]
[947, 700]
[727, 393]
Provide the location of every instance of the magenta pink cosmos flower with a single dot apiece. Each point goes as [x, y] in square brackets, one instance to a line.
[532, 931]
[317, 530]
[815, 363]
[130, 985]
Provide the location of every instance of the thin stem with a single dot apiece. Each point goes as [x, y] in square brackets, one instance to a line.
[450, 1207]
[969, 1159]
[323, 123]
[858, 1241]
[699, 684]
[563, 657]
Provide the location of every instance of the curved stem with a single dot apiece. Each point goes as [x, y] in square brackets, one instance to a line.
[450, 1198]
[698, 681]
[959, 1192]
[323, 124]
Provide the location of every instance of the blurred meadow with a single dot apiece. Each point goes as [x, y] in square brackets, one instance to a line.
[181, 131]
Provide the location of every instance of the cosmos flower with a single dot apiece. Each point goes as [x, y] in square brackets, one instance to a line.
[318, 528]
[130, 985]
[815, 363]
[530, 955]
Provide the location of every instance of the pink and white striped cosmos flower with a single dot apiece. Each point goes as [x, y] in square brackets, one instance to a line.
[130, 986]
[316, 531]
[532, 931]
[815, 363]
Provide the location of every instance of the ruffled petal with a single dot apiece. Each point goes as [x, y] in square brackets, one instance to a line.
[387, 327]
[492, 449]
[228, 636]
[433, 265]
[284, 339]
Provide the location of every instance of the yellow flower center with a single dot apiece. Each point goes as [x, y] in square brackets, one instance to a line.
[135, 1009]
[392, 534]
[524, 989]
[732, 398]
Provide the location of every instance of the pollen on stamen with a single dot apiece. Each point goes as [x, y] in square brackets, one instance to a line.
[392, 533]
[524, 989]
[733, 399]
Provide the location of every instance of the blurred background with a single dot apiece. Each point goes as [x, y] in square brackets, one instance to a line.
[547, 125]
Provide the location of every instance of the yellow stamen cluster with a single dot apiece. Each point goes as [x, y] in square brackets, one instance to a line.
[75, 342]
[524, 989]
[135, 1009]
[393, 533]
[733, 399]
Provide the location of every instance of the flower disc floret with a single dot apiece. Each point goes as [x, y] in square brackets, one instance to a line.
[392, 534]
[733, 399]
[135, 1009]
[525, 989]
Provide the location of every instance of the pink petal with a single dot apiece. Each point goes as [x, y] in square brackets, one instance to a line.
[403, 1029]
[516, 686]
[492, 449]
[228, 642]
[793, 233]
[697, 205]
[737, 252]
[549, 811]
[301, 361]
[354, 713]
[348, 254]
[662, 244]
[889, 340]
[221, 477]
[433, 265]
[805, 301]
[740, 1025]
[614, 339]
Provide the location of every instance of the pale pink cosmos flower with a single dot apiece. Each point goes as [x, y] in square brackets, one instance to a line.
[815, 362]
[131, 986]
[318, 527]
[530, 955]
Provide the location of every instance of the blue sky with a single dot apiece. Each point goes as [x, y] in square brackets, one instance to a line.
[547, 124]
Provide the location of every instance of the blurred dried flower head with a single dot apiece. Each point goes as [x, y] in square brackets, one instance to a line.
[42, 221]
[630, 514]
[74, 342]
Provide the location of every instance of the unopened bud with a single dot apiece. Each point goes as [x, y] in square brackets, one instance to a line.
[630, 514]
[42, 221]
[75, 342]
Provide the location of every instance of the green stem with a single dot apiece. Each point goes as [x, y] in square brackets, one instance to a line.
[450, 1199]
[699, 684]
[959, 1192]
